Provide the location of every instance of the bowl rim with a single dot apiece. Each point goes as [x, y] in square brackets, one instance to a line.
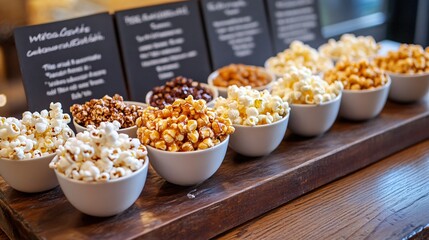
[145, 165]
[389, 82]
[214, 74]
[337, 98]
[28, 159]
[389, 73]
[205, 85]
[225, 141]
[284, 118]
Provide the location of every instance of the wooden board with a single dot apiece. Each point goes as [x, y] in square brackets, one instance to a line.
[242, 189]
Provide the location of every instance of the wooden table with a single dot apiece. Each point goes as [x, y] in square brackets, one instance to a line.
[242, 189]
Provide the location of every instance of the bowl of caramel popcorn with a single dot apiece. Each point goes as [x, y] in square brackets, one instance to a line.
[314, 103]
[107, 109]
[366, 88]
[240, 75]
[408, 68]
[260, 120]
[186, 141]
[180, 88]
[101, 172]
[28, 145]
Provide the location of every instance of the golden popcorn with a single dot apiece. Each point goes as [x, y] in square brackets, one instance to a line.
[409, 59]
[186, 125]
[361, 75]
[242, 75]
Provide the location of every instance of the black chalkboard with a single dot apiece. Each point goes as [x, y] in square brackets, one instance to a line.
[237, 31]
[294, 20]
[161, 42]
[69, 61]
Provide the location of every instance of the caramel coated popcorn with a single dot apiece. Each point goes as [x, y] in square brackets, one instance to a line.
[186, 125]
[35, 135]
[300, 86]
[350, 46]
[359, 75]
[100, 154]
[106, 109]
[409, 59]
[242, 75]
[298, 55]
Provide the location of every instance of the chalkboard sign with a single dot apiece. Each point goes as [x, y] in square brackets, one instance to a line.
[237, 31]
[161, 42]
[69, 61]
[294, 20]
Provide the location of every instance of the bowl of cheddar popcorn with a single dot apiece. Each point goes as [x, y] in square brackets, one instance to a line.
[260, 120]
[28, 145]
[186, 141]
[107, 109]
[298, 55]
[366, 88]
[101, 172]
[408, 68]
[240, 75]
[314, 103]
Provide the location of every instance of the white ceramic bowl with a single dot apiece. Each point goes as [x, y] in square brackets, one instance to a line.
[258, 140]
[313, 120]
[223, 91]
[361, 105]
[103, 199]
[131, 131]
[408, 88]
[187, 168]
[29, 175]
[215, 94]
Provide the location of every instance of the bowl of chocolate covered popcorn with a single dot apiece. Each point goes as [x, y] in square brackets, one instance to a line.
[28, 145]
[408, 68]
[186, 141]
[260, 120]
[314, 103]
[180, 88]
[107, 109]
[101, 172]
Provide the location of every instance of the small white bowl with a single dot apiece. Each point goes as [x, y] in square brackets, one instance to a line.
[29, 175]
[104, 199]
[359, 105]
[408, 87]
[223, 91]
[131, 131]
[258, 140]
[213, 90]
[312, 120]
[187, 168]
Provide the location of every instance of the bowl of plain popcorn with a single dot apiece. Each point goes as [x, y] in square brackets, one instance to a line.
[260, 120]
[314, 103]
[107, 109]
[101, 172]
[408, 69]
[366, 88]
[298, 55]
[186, 141]
[28, 145]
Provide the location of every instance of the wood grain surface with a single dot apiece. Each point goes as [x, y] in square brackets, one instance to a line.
[387, 200]
[242, 189]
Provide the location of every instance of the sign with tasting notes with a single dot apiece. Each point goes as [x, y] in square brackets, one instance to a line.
[69, 61]
[294, 20]
[161, 42]
[237, 32]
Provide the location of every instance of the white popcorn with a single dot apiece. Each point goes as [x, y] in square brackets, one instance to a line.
[300, 86]
[246, 106]
[350, 46]
[298, 54]
[100, 154]
[35, 135]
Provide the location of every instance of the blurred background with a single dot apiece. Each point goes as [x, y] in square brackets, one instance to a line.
[404, 21]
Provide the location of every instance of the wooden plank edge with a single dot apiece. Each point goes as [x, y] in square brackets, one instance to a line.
[11, 225]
